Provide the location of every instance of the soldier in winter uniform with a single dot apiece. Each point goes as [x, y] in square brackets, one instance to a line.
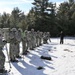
[2, 56]
[32, 39]
[40, 38]
[24, 42]
[18, 37]
[29, 39]
[44, 38]
[37, 38]
[13, 42]
[48, 36]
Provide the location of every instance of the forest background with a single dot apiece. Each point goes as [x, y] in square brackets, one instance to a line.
[44, 16]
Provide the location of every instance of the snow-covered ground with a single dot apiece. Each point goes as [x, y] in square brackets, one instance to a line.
[62, 63]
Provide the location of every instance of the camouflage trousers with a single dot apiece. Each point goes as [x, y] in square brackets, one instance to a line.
[29, 44]
[25, 46]
[37, 41]
[12, 51]
[2, 59]
[17, 49]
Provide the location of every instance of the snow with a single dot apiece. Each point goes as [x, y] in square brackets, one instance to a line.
[62, 63]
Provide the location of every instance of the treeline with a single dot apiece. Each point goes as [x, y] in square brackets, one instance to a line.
[43, 16]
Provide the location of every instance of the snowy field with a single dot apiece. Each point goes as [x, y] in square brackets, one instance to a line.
[62, 63]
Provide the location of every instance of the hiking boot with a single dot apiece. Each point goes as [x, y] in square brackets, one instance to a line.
[18, 56]
[14, 60]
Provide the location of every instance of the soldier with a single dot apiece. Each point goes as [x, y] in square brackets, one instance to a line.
[44, 38]
[37, 38]
[61, 37]
[24, 42]
[2, 56]
[18, 36]
[13, 42]
[32, 39]
[29, 39]
[48, 36]
[40, 38]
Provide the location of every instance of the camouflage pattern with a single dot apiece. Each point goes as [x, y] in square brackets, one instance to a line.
[24, 41]
[37, 38]
[40, 38]
[32, 39]
[18, 36]
[13, 44]
[29, 39]
[48, 36]
[44, 38]
[6, 34]
[2, 56]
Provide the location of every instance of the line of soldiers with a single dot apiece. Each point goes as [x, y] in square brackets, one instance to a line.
[29, 39]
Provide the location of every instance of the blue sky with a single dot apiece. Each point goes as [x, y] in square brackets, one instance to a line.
[24, 5]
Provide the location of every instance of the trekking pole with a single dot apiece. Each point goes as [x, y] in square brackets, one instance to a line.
[8, 57]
